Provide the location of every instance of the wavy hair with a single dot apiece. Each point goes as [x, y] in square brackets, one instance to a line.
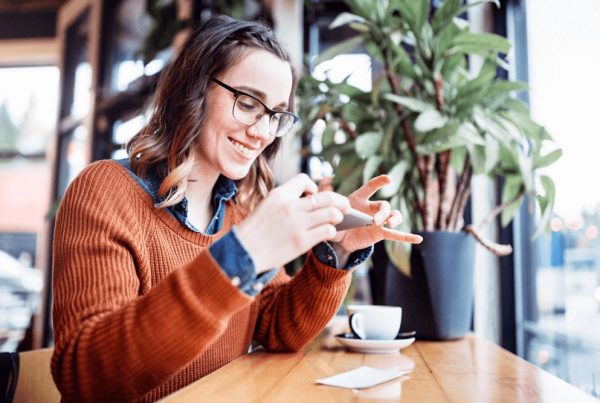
[168, 141]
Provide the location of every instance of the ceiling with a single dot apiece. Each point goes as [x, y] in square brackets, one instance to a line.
[28, 19]
[25, 6]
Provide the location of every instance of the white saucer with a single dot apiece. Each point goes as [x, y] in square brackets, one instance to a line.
[373, 346]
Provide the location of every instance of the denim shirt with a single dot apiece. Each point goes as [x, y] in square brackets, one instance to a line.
[228, 251]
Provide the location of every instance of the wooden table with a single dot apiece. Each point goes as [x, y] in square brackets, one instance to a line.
[466, 370]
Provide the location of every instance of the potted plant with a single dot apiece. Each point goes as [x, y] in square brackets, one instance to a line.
[431, 123]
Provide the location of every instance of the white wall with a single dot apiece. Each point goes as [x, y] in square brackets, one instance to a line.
[487, 277]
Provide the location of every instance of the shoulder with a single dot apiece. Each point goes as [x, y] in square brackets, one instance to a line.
[105, 182]
[103, 171]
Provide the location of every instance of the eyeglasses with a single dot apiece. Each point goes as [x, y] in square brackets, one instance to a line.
[248, 110]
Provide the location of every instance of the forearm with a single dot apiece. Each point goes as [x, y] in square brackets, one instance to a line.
[293, 312]
[140, 345]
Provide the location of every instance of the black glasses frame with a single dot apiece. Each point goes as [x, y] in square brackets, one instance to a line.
[268, 110]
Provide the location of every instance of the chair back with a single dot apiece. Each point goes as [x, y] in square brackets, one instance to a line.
[35, 383]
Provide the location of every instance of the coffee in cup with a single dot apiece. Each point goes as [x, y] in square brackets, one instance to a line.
[375, 322]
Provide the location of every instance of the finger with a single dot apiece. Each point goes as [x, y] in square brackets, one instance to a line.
[394, 219]
[297, 185]
[368, 189]
[321, 233]
[326, 199]
[393, 235]
[325, 215]
[383, 210]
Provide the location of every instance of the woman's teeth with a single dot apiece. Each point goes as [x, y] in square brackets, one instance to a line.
[242, 148]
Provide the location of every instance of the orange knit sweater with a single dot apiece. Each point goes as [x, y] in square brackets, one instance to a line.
[142, 309]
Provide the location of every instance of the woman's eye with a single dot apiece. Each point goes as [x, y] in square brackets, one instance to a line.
[247, 104]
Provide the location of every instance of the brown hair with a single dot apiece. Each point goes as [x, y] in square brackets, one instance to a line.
[168, 141]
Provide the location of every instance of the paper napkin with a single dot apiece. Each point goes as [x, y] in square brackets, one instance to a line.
[361, 377]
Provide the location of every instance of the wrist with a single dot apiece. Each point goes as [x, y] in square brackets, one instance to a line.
[342, 254]
[246, 240]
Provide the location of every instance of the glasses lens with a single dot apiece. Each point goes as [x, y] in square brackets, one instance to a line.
[247, 110]
[281, 123]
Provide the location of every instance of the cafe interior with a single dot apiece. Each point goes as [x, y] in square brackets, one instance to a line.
[522, 325]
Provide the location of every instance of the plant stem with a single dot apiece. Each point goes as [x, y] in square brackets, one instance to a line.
[428, 214]
[444, 179]
[494, 213]
[439, 95]
[496, 248]
[410, 139]
[344, 125]
[463, 202]
[465, 178]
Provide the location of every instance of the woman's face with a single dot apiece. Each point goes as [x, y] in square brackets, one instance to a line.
[227, 146]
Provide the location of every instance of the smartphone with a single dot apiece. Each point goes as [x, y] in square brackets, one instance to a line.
[354, 219]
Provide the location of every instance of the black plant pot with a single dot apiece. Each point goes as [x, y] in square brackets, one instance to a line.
[437, 301]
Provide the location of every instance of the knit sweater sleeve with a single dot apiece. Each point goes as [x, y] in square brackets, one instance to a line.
[111, 344]
[294, 311]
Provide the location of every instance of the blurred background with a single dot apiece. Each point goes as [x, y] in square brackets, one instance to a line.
[75, 77]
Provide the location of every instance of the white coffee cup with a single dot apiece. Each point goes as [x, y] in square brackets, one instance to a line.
[375, 322]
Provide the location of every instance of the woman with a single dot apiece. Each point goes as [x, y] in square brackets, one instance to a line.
[166, 266]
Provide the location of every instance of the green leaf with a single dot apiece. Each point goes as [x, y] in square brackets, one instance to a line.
[512, 186]
[367, 144]
[444, 15]
[397, 173]
[525, 166]
[371, 167]
[458, 159]
[492, 153]
[549, 188]
[402, 60]
[443, 40]
[546, 212]
[357, 26]
[503, 87]
[343, 47]
[450, 136]
[351, 182]
[414, 12]
[469, 134]
[381, 9]
[414, 104]
[328, 136]
[479, 43]
[509, 212]
[429, 120]
[353, 111]
[547, 159]
[387, 145]
[399, 254]
[346, 18]
[477, 154]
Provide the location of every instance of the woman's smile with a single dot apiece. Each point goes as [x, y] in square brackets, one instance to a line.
[245, 150]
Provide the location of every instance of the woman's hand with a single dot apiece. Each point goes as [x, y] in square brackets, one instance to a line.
[346, 242]
[286, 225]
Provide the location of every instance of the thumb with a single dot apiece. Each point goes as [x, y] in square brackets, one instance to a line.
[298, 185]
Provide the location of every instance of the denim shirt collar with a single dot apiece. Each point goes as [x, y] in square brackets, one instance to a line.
[223, 191]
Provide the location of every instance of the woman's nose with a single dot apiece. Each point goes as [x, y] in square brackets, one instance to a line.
[261, 127]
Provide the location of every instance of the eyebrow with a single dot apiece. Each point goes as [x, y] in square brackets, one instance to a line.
[261, 95]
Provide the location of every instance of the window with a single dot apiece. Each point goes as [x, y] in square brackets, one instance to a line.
[28, 110]
[561, 327]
